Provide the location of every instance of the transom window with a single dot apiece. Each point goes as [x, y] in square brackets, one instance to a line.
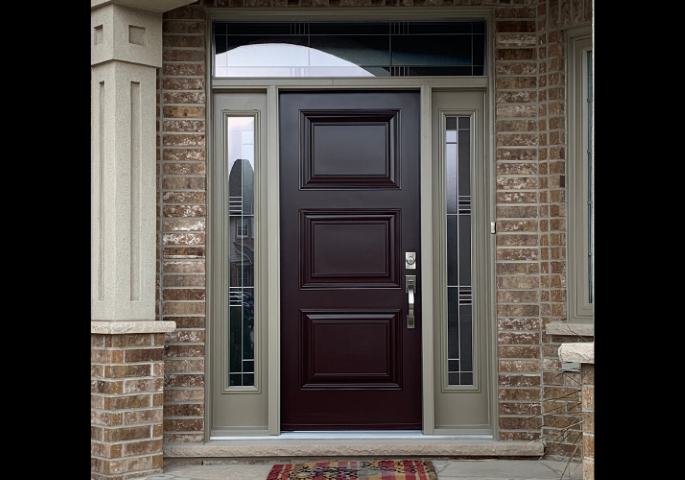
[339, 49]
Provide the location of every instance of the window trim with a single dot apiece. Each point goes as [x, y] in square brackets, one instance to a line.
[219, 206]
[580, 309]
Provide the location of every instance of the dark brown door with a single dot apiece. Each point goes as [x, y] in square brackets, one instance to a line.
[349, 193]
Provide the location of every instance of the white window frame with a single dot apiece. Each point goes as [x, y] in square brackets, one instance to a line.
[580, 236]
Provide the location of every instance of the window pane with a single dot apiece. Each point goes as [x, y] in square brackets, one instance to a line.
[431, 50]
[459, 265]
[358, 50]
[590, 189]
[348, 49]
[240, 144]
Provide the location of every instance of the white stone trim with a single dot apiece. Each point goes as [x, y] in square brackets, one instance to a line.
[150, 5]
[354, 448]
[113, 328]
[577, 352]
[564, 328]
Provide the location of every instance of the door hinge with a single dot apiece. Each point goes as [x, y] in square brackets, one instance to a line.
[492, 227]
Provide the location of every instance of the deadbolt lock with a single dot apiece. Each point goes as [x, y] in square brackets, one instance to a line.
[410, 260]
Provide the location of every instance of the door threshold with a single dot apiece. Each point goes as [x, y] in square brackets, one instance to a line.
[353, 444]
[351, 435]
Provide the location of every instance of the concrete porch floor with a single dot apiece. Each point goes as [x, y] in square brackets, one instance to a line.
[447, 469]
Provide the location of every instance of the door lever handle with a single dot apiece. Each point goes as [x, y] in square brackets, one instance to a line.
[411, 291]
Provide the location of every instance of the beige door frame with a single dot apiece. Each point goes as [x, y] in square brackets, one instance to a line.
[268, 286]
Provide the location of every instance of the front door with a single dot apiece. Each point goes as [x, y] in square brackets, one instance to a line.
[349, 217]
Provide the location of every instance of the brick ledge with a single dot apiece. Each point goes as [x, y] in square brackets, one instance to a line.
[119, 328]
[567, 328]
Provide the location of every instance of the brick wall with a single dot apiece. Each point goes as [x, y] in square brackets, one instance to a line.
[126, 405]
[517, 253]
[587, 371]
[183, 219]
[530, 207]
[561, 393]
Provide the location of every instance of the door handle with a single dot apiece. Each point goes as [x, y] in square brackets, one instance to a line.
[411, 291]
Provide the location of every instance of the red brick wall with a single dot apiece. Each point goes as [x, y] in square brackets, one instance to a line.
[517, 253]
[183, 219]
[561, 407]
[530, 204]
[588, 379]
[126, 385]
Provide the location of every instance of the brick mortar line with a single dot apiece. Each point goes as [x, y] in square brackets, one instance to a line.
[185, 287]
[124, 410]
[118, 427]
[124, 442]
[538, 387]
[125, 348]
[185, 133]
[127, 364]
[117, 395]
[518, 61]
[524, 190]
[184, 358]
[127, 457]
[530, 415]
[511, 175]
[532, 262]
[121, 379]
[193, 274]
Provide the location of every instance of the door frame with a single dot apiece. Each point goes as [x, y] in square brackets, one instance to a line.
[267, 171]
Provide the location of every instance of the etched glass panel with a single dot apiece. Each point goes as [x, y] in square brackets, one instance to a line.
[241, 322]
[459, 265]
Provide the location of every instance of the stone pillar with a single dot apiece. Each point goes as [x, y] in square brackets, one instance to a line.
[125, 53]
[127, 344]
[584, 354]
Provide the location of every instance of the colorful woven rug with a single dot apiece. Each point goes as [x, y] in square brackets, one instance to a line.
[355, 470]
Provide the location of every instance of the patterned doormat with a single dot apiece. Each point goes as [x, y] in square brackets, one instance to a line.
[355, 470]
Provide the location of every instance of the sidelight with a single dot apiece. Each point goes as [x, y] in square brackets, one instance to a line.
[241, 248]
[459, 279]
